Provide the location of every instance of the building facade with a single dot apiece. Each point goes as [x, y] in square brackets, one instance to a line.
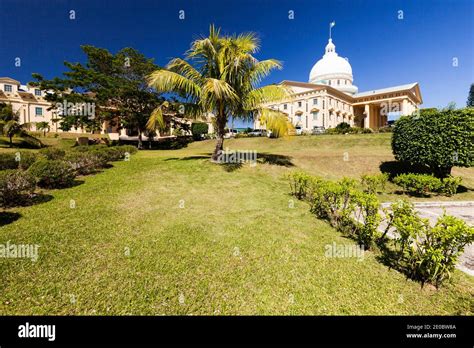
[330, 98]
[28, 102]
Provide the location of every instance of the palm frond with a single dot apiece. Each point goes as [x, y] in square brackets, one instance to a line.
[275, 121]
[267, 94]
[214, 90]
[156, 120]
[168, 81]
[183, 68]
[262, 69]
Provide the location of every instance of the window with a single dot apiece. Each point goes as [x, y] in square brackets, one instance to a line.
[338, 82]
[285, 106]
[329, 82]
[38, 111]
[315, 116]
[38, 92]
[299, 104]
[315, 101]
[8, 88]
[324, 104]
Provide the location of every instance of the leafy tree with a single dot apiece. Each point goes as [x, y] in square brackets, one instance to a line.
[10, 123]
[470, 98]
[43, 126]
[220, 75]
[437, 139]
[115, 83]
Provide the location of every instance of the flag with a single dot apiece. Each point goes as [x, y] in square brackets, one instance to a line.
[333, 23]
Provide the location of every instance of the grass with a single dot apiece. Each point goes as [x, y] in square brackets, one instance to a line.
[170, 233]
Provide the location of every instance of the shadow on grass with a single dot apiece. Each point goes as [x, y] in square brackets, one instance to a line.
[277, 160]
[394, 168]
[7, 217]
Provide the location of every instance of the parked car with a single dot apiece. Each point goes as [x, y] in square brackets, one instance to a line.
[257, 133]
[298, 130]
[230, 134]
[318, 130]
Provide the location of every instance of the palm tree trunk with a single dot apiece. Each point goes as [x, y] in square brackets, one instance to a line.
[11, 140]
[221, 121]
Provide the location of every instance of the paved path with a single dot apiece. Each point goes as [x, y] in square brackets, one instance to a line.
[461, 209]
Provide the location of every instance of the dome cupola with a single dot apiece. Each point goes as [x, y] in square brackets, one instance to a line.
[333, 70]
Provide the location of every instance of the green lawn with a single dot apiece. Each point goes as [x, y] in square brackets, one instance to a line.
[170, 233]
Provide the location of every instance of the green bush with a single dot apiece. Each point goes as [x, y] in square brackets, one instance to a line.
[437, 139]
[427, 253]
[14, 160]
[83, 163]
[374, 183]
[26, 159]
[124, 149]
[198, 128]
[342, 128]
[367, 218]
[347, 209]
[8, 161]
[300, 184]
[53, 153]
[418, 184]
[450, 185]
[366, 130]
[16, 187]
[52, 173]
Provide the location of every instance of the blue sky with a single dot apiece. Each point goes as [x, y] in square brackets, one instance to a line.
[382, 49]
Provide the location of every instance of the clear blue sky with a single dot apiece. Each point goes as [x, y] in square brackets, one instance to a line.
[382, 49]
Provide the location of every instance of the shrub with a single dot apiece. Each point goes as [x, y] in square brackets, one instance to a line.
[427, 253]
[374, 183]
[53, 153]
[130, 149]
[8, 161]
[348, 210]
[418, 184]
[300, 184]
[53, 173]
[83, 162]
[342, 128]
[198, 128]
[367, 218]
[366, 130]
[450, 185]
[26, 159]
[16, 187]
[437, 139]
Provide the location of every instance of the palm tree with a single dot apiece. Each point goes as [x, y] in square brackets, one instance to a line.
[220, 75]
[43, 126]
[10, 123]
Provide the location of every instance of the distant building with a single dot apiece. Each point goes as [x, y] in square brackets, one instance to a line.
[28, 101]
[32, 107]
[330, 98]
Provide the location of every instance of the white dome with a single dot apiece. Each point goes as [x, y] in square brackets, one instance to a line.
[331, 66]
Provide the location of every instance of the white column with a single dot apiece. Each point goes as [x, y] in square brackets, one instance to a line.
[367, 116]
[404, 107]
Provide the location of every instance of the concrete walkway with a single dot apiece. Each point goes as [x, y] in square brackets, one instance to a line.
[433, 210]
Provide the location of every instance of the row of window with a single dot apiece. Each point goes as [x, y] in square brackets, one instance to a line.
[315, 102]
[9, 88]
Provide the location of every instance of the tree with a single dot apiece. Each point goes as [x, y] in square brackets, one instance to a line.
[437, 139]
[43, 126]
[10, 123]
[470, 97]
[115, 84]
[220, 75]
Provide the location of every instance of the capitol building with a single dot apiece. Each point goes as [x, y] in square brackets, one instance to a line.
[330, 97]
